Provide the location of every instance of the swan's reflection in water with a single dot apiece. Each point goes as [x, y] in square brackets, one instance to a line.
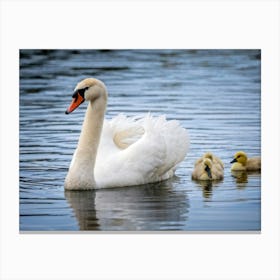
[83, 204]
[149, 207]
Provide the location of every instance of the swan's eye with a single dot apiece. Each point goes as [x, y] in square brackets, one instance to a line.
[81, 92]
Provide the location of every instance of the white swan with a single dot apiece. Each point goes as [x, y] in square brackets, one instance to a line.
[123, 151]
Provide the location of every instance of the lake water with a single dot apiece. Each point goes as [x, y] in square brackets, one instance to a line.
[216, 96]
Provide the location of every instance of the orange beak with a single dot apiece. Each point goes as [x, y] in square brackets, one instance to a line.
[76, 102]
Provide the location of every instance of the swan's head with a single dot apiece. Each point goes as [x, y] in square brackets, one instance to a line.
[240, 157]
[89, 89]
[207, 167]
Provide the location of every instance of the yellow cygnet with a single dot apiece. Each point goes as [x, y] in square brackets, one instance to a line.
[208, 167]
[242, 162]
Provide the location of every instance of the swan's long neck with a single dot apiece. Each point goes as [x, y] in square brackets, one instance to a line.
[90, 135]
[81, 172]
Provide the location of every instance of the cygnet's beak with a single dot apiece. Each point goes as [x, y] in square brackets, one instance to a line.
[77, 100]
[234, 160]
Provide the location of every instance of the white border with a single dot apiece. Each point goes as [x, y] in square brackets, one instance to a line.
[156, 24]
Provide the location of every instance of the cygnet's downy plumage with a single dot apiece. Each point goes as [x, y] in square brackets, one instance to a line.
[242, 162]
[208, 167]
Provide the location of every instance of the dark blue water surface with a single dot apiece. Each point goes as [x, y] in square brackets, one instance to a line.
[215, 94]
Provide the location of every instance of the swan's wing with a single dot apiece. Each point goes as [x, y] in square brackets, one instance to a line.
[160, 146]
[125, 130]
[126, 137]
[169, 139]
[177, 143]
[135, 165]
[118, 134]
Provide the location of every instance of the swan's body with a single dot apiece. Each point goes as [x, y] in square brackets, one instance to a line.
[123, 151]
[242, 162]
[208, 167]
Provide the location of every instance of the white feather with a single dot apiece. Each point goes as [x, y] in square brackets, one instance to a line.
[152, 154]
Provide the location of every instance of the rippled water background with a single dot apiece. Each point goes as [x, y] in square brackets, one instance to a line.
[215, 94]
